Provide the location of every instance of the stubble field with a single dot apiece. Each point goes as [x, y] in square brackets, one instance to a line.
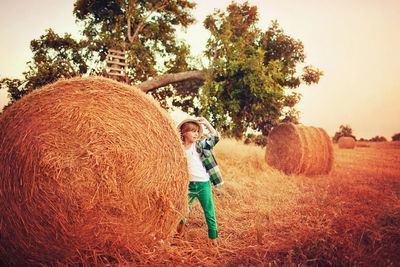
[349, 217]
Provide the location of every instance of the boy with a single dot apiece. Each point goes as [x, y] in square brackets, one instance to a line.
[203, 169]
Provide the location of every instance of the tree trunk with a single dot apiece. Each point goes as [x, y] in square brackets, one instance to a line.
[166, 79]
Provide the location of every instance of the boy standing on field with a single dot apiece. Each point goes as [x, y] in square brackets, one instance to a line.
[203, 169]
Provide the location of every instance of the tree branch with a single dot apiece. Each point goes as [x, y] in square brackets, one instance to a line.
[130, 4]
[215, 55]
[69, 64]
[141, 25]
[168, 78]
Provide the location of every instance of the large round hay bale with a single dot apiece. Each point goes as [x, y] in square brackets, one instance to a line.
[347, 142]
[297, 149]
[91, 170]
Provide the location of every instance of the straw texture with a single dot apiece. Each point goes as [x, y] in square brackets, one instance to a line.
[91, 170]
[347, 142]
[298, 149]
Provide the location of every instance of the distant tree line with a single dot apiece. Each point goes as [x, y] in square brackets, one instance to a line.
[374, 139]
[345, 130]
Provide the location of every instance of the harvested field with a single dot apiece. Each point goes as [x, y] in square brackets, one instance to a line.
[349, 217]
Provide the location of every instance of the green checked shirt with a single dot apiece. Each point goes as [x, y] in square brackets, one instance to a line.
[207, 157]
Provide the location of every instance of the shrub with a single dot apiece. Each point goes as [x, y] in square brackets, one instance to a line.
[259, 140]
[378, 139]
[396, 137]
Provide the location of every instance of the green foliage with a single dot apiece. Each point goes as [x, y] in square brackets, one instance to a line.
[145, 29]
[396, 137]
[253, 73]
[250, 83]
[55, 57]
[153, 50]
[14, 87]
[344, 130]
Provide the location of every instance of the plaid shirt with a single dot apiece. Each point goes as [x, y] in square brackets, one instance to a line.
[207, 157]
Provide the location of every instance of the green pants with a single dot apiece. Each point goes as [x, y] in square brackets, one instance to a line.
[202, 191]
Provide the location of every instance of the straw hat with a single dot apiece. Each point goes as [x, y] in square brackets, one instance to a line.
[190, 120]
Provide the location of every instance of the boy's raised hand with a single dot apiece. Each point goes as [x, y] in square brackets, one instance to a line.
[206, 123]
[202, 120]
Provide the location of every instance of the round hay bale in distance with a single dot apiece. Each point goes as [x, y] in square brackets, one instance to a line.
[91, 169]
[346, 142]
[298, 149]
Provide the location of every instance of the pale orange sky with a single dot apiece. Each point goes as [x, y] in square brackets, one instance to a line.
[355, 42]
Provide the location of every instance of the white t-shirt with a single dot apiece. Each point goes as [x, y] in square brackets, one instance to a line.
[196, 169]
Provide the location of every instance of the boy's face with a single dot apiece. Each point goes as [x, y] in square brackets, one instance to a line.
[191, 136]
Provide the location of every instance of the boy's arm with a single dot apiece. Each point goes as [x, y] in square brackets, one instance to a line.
[206, 123]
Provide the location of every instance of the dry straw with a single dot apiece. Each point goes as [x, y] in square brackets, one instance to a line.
[347, 142]
[297, 149]
[92, 171]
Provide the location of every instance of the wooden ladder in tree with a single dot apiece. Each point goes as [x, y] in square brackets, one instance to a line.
[116, 64]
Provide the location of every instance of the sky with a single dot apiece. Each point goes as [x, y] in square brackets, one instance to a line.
[354, 42]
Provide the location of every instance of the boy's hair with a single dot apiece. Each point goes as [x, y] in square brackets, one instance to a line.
[187, 127]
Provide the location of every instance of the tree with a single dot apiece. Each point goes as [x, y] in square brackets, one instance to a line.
[344, 130]
[249, 82]
[146, 29]
[55, 57]
[254, 73]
